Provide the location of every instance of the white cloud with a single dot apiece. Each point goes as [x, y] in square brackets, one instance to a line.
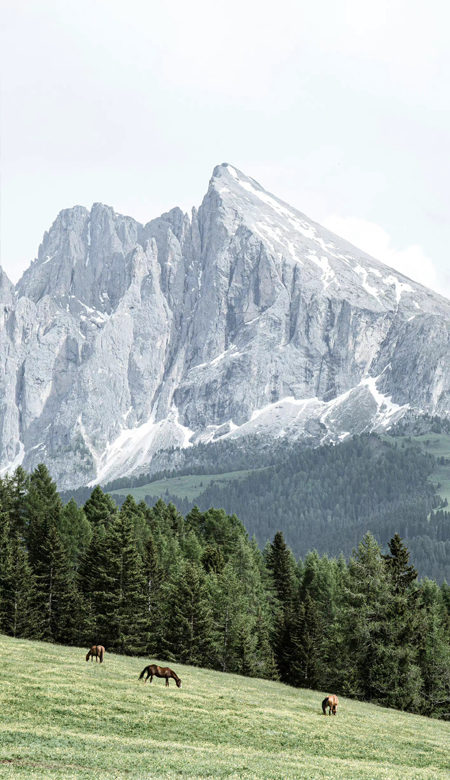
[373, 239]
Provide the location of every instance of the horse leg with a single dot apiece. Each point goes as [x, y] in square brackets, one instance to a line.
[151, 679]
[167, 682]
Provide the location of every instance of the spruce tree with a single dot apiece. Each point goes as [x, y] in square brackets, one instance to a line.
[18, 484]
[189, 628]
[282, 567]
[246, 652]
[212, 559]
[195, 521]
[402, 574]
[118, 594]
[372, 659]
[75, 531]
[24, 618]
[234, 622]
[139, 521]
[271, 669]
[154, 577]
[5, 572]
[42, 510]
[307, 638]
[100, 509]
[56, 597]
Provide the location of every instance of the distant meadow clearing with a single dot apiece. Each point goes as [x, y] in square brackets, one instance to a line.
[61, 717]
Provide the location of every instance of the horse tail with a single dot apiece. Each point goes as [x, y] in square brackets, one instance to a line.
[87, 656]
[102, 653]
[143, 672]
[324, 706]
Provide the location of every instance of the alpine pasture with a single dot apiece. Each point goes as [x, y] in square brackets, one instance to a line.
[64, 718]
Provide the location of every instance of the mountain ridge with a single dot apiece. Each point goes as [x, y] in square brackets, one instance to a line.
[125, 339]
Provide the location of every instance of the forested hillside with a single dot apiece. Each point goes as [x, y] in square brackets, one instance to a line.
[198, 590]
[324, 498]
[327, 498]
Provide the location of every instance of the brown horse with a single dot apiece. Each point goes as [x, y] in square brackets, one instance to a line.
[98, 651]
[332, 703]
[160, 671]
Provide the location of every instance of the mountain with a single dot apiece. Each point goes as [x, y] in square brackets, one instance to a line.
[246, 317]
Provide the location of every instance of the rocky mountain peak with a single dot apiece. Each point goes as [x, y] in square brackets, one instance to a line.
[246, 318]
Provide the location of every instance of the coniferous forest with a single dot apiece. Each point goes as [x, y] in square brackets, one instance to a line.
[327, 497]
[197, 590]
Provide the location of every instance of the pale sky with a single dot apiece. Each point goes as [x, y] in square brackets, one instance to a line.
[339, 108]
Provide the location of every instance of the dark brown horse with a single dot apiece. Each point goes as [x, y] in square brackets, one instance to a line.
[332, 703]
[98, 651]
[160, 671]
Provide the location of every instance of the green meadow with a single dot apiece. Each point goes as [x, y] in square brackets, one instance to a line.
[64, 718]
[189, 487]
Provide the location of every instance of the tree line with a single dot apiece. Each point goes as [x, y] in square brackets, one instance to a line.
[196, 589]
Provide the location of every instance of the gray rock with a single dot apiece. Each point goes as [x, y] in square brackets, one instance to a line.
[245, 318]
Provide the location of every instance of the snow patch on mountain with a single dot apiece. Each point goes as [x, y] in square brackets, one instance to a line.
[133, 448]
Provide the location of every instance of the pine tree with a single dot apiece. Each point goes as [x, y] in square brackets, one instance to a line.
[189, 629]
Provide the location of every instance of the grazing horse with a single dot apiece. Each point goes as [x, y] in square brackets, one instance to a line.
[160, 671]
[332, 703]
[98, 651]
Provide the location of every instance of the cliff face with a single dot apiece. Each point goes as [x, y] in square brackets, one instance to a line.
[122, 339]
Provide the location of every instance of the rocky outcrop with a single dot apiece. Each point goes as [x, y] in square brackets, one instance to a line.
[246, 317]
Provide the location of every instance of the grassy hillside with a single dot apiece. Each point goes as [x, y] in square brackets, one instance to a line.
[189, 487]
[64, 718]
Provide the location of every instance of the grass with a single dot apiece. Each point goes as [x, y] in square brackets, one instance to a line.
[189, 487]
[438, 444]
[64, 718]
